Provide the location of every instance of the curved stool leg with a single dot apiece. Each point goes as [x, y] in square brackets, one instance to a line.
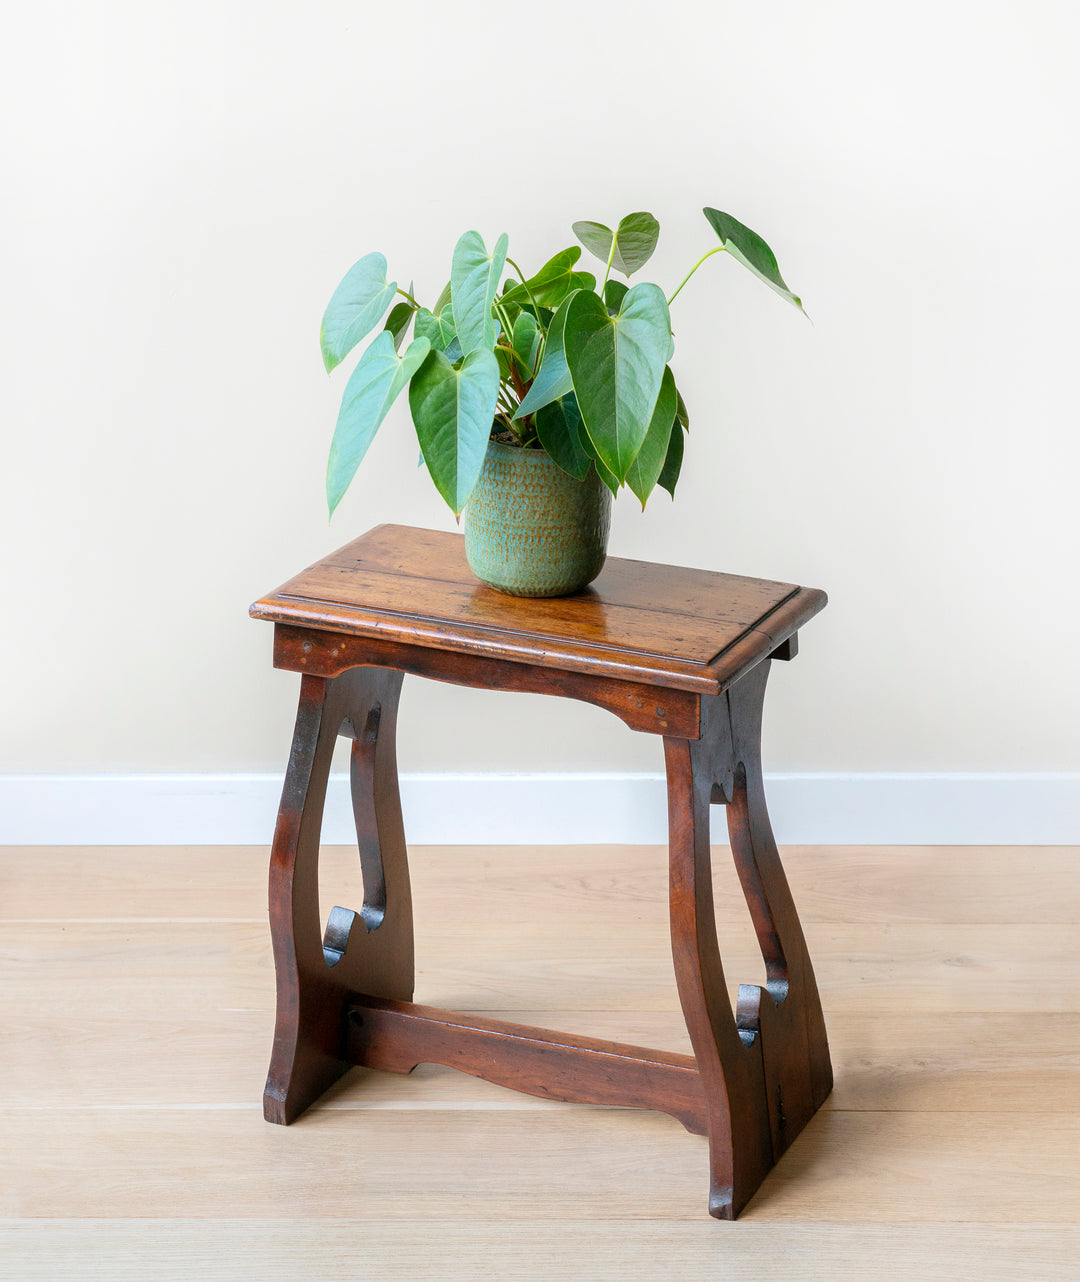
[370, 952]
[788, 1014]
[740, 1147]
[766, 1068]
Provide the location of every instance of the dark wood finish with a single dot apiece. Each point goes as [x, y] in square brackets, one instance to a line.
[653, 624]
[370, 951]
[787, 650]
[766, 1068]
[683, 654]
[397, 1036]
[641, 706]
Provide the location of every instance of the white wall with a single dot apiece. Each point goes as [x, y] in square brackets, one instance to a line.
[186, 183]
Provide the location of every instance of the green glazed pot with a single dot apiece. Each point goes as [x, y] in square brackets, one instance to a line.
[531, 529]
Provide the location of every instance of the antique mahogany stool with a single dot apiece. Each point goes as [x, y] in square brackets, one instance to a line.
[679, 653]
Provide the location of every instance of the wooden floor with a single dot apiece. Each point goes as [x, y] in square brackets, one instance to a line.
[136, 991]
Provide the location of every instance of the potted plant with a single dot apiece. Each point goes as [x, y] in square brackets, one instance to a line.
[535, 398]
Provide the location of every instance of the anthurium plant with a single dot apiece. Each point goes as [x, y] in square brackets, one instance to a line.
[556, 361]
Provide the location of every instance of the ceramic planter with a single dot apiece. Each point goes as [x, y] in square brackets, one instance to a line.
[533, 530]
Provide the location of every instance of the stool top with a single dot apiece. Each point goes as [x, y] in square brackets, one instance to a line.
[664, 625]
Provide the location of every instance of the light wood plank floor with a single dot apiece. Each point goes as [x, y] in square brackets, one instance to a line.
[136, 998]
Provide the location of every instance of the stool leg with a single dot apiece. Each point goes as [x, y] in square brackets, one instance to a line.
[766, 1068]
[798, 1070]
[317, 976]
[740, 1147]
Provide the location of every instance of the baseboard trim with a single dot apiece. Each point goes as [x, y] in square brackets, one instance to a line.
[555, 809]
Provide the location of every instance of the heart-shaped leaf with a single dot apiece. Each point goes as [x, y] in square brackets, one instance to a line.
[749, 249]
[635, 239]
[552, 282]
[649, 463]
[562, 434]
[616, 366]
[373, 386]
[357, 306]
[553, 377]
[474, 280]
[437, 329]
[453, 410]
[595, 237]
[669, 477]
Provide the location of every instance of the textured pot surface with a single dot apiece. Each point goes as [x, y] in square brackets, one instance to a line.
[531, 529]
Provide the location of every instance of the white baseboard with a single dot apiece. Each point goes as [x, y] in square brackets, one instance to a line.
[555, 809]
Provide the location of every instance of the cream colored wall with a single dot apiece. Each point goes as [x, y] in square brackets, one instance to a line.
[187, 182]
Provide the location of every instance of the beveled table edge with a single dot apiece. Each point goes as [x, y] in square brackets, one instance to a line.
[727, 665]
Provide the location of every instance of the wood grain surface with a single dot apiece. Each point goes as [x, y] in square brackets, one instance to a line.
[293, 1249]
[657, 624]
[895, 885]
[137, 999]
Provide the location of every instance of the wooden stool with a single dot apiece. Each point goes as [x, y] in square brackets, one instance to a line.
[679, 653]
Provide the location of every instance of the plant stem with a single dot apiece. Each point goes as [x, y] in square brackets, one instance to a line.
[410, 298]
[718, 250]
[535, 304]
[515, 378]
[610, 260]
[508, 330]
[515, 359]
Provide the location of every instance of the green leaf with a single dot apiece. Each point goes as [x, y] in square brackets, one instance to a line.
[510, 311]
[553, 378]
[595, 237]
[649, 463]
[357, 306]
[669, 477]
[453, 410]
[442, 300]
[397, 323]
[602, 470]
[553, 281]
[526, 341]
[635, 240]
[454, 352]
[614, 293]
[474, 280]
[616, 365]
[438, 330]
[373, 386]
[562, 434]
[680, 411]
[749, 249]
